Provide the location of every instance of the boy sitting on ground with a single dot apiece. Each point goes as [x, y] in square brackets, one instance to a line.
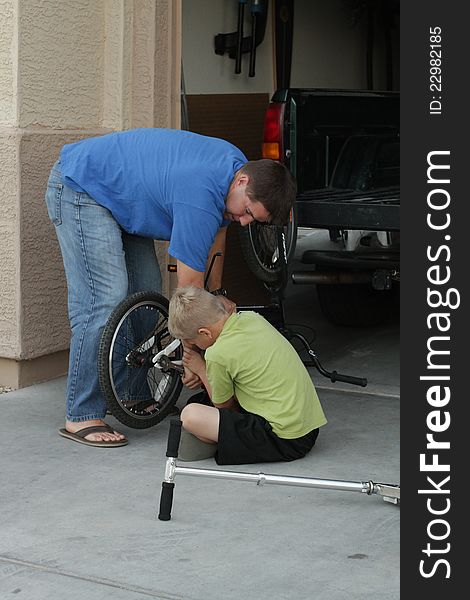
[265, 408]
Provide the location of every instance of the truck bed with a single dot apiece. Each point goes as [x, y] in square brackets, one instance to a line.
[347, 209]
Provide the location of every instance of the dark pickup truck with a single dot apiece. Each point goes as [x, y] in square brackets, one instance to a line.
[343, 148]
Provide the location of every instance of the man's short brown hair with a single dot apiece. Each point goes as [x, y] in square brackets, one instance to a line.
[272, 184]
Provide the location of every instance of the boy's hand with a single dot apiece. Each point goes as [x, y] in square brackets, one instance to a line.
[191, 380]
[193, 361]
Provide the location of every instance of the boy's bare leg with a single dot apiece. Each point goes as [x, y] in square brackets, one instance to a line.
[202, 421]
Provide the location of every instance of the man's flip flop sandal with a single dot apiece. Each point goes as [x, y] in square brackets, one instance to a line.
[79, 436]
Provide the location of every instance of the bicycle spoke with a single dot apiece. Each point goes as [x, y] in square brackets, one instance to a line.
[140, 388]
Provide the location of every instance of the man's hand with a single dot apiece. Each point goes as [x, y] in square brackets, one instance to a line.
[230, 306]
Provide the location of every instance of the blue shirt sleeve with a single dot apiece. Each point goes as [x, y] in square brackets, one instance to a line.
[193, 233]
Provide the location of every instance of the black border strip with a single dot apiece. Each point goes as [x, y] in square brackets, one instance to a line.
[441, 573]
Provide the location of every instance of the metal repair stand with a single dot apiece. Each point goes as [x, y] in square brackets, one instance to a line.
[389, 492]
[274, 313]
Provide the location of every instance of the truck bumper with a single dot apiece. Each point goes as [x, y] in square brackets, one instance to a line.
[348, 215]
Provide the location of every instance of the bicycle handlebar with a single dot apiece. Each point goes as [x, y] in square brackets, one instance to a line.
[335, 376]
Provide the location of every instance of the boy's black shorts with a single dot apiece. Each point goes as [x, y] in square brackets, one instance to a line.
[247, 438]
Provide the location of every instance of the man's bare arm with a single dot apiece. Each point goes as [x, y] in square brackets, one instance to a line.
[188, 276]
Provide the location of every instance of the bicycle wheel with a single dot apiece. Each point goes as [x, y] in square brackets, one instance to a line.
[260, 248]
[138, 393]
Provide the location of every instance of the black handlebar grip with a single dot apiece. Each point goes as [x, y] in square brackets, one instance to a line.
[362, 381]
[174, 435]
[166, 501]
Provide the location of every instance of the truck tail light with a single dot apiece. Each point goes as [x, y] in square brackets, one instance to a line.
[272, 138]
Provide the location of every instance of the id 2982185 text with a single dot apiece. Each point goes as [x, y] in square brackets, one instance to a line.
[435, 70]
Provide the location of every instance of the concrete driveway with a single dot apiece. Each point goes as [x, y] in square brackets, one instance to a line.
[80, 522]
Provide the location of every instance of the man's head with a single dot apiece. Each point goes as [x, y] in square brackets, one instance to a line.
[263, 191]
[196, 316]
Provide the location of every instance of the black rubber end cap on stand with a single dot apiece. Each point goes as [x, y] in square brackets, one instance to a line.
[174, 435]
[166, 497]
[166, 501]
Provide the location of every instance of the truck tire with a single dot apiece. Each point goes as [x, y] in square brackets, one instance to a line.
[355, 305]
[259, 246]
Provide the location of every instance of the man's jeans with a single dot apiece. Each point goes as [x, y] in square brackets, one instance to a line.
[103, 264]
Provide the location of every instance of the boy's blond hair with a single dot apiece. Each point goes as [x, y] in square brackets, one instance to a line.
[192, 308]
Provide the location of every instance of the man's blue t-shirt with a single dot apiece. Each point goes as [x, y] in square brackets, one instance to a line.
[165, 184]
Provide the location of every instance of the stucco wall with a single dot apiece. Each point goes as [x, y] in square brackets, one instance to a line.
[54, 82]
[8, 53]
[68, 70]
[9, 244]
[44, 326]
[60, 63]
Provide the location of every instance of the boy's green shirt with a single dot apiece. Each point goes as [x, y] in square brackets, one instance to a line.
[254, 362]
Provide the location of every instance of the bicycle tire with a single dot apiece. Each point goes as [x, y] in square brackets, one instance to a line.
[134, 332]
[259, 246]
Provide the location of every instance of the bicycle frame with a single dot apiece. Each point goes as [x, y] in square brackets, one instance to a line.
[161, 359]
